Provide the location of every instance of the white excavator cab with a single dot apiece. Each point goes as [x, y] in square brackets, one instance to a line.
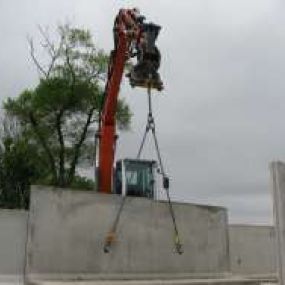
[136, 177]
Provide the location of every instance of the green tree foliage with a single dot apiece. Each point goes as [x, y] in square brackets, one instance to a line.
[19, 165]
[61, 113]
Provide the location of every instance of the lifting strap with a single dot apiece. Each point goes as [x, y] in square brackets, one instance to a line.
[111, 236]
[151, 126]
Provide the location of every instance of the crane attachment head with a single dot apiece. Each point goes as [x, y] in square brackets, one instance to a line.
[145, 72]
[141, 37]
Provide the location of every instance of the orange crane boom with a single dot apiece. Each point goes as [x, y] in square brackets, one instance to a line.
[132, 37]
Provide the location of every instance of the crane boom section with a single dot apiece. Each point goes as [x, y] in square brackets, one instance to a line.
[132, 37]
[126, 33]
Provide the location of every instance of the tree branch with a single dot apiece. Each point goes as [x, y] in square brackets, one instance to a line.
[48, 44]
[78, 146]
[36, 62]
[62, 149]
[44, 144]
[71, 69]
[53, 52]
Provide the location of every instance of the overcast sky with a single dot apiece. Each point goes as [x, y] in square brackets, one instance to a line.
[220, 119]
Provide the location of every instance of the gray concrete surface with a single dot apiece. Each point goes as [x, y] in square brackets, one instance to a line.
[13, 233]
[157, 282]
[252, 249]
[226, 280]
[67, 230]
[11, 280]
[278, 191]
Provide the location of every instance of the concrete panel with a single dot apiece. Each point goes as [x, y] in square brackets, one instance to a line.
[224, 281]
[252, 249]
[13, 234]
[67, 230]
[278, 183]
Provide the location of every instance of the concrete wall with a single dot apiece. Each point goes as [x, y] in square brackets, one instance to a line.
[277, 169]
[252, 249]
[67, 231]
[13, 233]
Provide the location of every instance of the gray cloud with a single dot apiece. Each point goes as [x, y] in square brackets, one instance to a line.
[220, 118]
